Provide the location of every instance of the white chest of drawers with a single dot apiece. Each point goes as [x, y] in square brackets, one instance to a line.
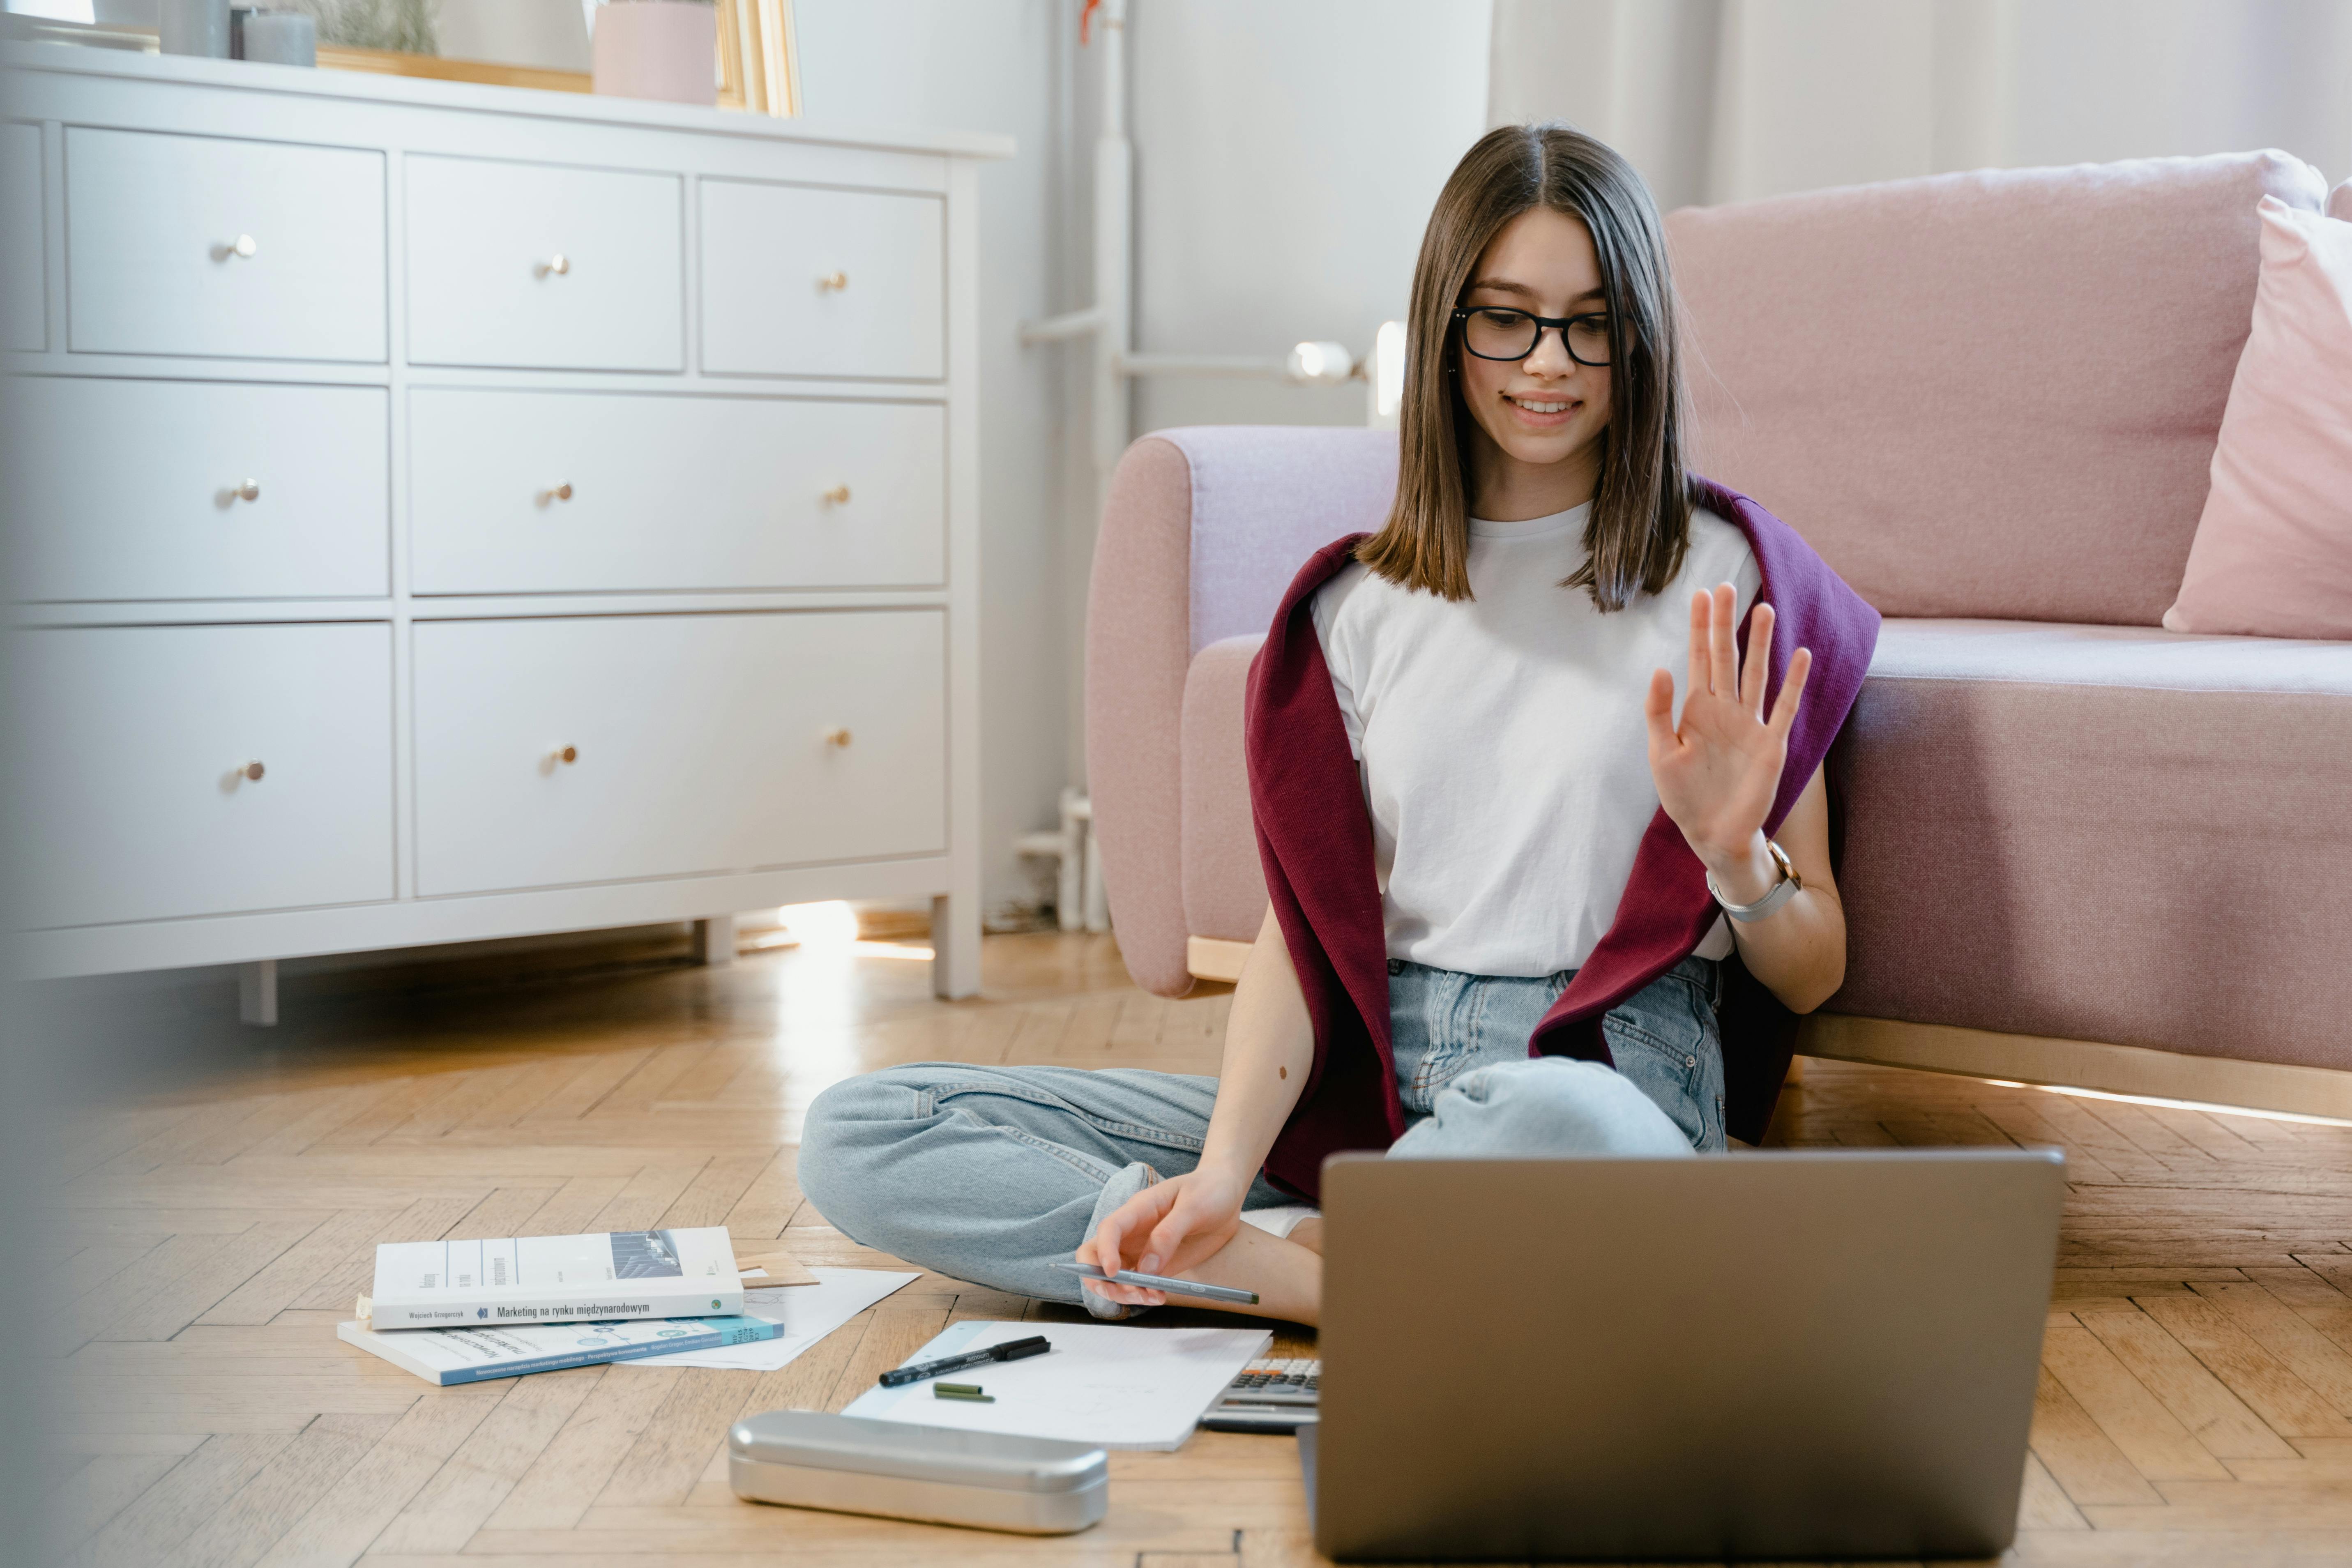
[445, 512]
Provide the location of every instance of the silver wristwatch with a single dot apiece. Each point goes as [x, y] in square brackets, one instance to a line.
[1787, 888]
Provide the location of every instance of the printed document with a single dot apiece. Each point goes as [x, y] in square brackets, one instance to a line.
[1105, 1383]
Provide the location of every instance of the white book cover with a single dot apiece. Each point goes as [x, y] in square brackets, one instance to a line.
[1113, 1386]
[469, 1355]
[509, 1280]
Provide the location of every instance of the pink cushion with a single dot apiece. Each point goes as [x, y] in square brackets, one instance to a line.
[1989, 394]
[2273, 550]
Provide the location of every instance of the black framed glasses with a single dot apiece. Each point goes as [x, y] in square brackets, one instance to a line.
[1496, 332]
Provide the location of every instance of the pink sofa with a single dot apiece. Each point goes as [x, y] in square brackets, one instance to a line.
[2077, 848]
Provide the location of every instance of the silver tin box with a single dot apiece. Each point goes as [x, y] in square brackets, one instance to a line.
[851, 1465]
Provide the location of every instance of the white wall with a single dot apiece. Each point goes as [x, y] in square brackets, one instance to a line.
[1634, 68]
[2099, 80]
[989, 65]
[1820, 92]
[1284, 160]
[1286, 156]
[1729, 99]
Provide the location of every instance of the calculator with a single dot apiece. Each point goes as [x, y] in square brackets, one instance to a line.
[1274, 1395]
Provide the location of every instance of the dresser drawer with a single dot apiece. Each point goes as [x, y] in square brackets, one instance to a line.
[697, 744]
[133, 763]
[195, 245]
[519, 492]
[854, 729]
[186, 490]
[805, 281]
[24, 255]
[533, 264]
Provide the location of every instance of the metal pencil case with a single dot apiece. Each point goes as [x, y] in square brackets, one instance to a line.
[1036, 1485]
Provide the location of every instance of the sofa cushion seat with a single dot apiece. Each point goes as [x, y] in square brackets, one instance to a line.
[2102, 833]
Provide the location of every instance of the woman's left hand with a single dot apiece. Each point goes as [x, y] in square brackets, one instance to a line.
[1718, 769]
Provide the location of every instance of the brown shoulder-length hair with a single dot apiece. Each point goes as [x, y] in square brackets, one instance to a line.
[1640, 523]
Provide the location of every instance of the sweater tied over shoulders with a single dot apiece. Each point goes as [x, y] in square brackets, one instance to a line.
[1315, 841]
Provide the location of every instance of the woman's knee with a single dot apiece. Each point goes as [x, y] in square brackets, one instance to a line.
[1542, 1107]
[846, 1141]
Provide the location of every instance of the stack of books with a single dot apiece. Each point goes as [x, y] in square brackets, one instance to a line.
[460, 1311]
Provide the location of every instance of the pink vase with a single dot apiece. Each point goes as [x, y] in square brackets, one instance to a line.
[657, 48]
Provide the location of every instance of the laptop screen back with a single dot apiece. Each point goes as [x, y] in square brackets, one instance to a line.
[1779, 1353]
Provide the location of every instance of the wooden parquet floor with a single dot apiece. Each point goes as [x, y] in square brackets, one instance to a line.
[2196, 1402]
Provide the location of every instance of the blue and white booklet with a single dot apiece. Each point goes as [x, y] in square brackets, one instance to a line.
[445, 1356]
[592, 1279]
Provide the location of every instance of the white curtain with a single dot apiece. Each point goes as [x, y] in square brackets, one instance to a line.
[1721, 101]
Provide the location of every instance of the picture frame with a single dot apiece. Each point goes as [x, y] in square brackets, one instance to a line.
[759, 57]
[437, 67]
[758, 65]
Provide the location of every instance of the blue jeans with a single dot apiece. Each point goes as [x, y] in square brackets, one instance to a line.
[1464, 1038]
[991, 1173]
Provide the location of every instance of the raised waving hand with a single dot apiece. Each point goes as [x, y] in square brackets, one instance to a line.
[1719, 767]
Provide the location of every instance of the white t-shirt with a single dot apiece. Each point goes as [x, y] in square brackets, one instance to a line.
[1502, 743]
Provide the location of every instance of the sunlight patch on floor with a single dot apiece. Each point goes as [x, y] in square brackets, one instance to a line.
[830, 927]
[2164, 1104]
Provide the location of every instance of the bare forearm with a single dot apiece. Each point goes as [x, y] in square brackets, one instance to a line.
[1799, 950]
[1269, 1046]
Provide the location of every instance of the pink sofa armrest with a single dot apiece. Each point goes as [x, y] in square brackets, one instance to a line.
[1139, 642]
[1202, 531]
[1225, 885]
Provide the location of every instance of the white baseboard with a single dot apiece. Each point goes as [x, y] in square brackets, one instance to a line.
[2080, 1063]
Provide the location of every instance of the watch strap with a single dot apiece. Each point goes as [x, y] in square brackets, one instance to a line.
[1787, 888]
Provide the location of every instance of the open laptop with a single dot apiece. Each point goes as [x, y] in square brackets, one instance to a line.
[1777, 1354]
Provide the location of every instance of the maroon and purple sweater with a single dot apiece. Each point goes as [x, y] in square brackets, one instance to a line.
[1314, 840]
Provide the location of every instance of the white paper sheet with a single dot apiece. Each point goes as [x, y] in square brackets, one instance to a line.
[808, 1312]
[1103, 1383]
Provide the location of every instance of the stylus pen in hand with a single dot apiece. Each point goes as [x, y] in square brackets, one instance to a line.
[1161, 1282]
[1018, 1350]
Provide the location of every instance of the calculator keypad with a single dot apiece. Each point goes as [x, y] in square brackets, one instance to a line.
[1277, 1376]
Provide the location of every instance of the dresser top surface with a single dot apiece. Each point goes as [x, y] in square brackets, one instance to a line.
[530, 103]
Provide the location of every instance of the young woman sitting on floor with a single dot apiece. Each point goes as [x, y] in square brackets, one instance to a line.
[1549, 861]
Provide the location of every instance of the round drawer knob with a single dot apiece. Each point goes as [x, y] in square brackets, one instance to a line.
[555, 266]
[242, 246]
[250, 490]
[837, 496]
[252, 770]
[837, 738]
[833, 282]
[560, 492]
[565, 753]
